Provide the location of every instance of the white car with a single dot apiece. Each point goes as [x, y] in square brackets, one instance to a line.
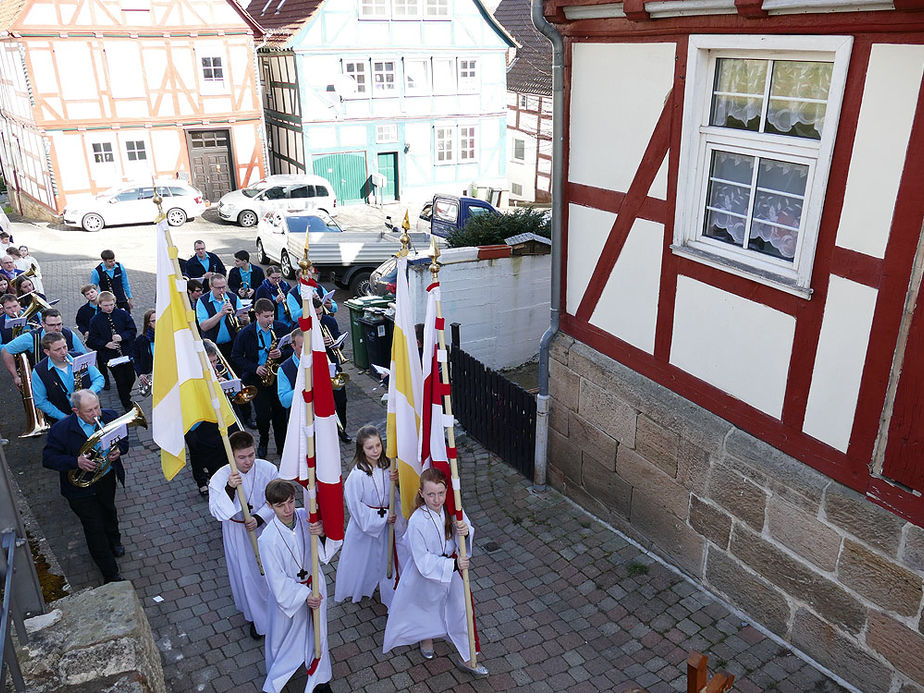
[133, 203]
[286, 192]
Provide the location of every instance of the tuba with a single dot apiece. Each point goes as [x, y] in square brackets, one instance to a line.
[84, 479]
[35, 419]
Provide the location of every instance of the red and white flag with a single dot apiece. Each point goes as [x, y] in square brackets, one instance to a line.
[433, 452]
[295, 461]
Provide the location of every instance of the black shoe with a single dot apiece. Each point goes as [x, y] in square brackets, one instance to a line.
[251, 423]
[118, 551]
[261, 451]
[344, 437]
[204, 491]
[115, 578]
[323, 688]
[253, 632]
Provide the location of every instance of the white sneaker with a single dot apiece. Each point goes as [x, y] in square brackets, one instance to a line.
[479, 670]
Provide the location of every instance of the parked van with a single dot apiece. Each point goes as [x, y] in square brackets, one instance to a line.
[284, 192]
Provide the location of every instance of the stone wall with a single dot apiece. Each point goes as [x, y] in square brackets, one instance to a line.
[808, 558]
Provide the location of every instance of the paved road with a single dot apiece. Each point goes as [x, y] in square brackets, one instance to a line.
[563, 602]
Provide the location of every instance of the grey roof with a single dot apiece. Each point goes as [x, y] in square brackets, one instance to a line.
[531, 71]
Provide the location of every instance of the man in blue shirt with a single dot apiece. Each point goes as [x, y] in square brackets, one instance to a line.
[288, 371]
[275, 288]
[212, 313]
[111, 276]
[244, 277]
[53, 379]
[30, 343]
[11, 309]
[95, 504]
[202, 265]
[8, 267]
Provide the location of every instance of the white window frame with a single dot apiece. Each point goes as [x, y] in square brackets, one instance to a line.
[380, 91]
[470, 83]
[522, 102]
[432, 9]
[444, 86]
[424, 89]
[414, 9]
[386, 134]
[464, 156]
[106, 151]
[516, 189]
[139, 152]
[363, 91]
[374, 9]
[449, 157]
[699, 139]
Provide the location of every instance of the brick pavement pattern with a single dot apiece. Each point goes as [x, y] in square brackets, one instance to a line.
[562, 602]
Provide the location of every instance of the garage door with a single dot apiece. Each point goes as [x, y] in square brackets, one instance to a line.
[346, 172]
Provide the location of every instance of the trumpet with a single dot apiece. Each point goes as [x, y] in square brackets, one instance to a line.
[84, 479]
[285, 303]
[225, 372]
[234, 324]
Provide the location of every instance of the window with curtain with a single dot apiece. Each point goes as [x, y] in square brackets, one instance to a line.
[755, 161]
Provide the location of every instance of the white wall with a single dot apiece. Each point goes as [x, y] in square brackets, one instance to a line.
[502, 304]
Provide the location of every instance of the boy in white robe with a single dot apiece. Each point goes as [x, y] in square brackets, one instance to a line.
[286, 549]
[248, 587]
[430, 599]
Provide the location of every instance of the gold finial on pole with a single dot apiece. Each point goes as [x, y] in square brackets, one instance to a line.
[157, 199]
[434, 255]
[405, 238]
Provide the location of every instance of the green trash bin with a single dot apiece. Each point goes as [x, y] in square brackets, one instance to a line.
[357, 307]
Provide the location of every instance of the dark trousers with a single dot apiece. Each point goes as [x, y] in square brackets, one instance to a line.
[206, 452]
[340, 402]
[123, 305]
[124, 376]
[100, 522]
[243, 410]
[270, 411]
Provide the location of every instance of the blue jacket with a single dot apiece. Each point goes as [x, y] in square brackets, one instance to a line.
[101, 334]
[195, 269]
[267, 290]
[245, 355]
[64, 441]
[235, 279]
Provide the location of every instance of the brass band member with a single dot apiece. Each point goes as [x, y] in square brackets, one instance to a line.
[29, 343]
[244, 277]
[203, 264]
[215, 313]
[331, 332]
[256, 357]
[88, 310]
[275, 288]
[112, 334]
[143, 350]
[111, 276]
[288, 371]
[54, 380]
[95, 504]
[203, 441]
[194, 291]
[11, 309]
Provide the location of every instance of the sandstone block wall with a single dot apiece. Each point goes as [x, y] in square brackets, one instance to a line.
[808, 558]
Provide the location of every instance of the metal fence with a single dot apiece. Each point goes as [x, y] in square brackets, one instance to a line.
[22, 593]
[498, 413]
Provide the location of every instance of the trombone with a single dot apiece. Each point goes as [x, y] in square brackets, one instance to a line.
[225, 372]
[36, 424]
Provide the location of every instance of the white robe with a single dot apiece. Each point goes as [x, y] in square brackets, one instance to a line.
[430, 599]
[248, 587]
[290, 638]
[363, 561]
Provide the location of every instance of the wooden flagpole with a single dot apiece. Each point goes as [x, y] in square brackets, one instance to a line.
[210, 382]
[390, 548]
[310, 449]
[451, 439]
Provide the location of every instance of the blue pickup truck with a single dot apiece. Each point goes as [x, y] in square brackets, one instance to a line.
[447, 213]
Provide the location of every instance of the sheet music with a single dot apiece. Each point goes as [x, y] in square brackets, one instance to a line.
[285, 340]
[119, 361]
[84, 361]
[231, 387]
[108, 440]
[15, 322]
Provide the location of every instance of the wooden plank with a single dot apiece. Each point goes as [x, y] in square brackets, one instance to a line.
[696, 672]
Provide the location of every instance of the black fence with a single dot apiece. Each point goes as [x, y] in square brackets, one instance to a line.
[498, 413]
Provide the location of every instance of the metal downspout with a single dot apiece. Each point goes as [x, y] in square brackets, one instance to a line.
[558, 116]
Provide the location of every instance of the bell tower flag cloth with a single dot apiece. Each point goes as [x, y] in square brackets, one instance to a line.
[180, 395]
[404, 395]
[295, 461]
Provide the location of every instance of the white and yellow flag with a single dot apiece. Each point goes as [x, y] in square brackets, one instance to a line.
[180, 392]
[405, 394]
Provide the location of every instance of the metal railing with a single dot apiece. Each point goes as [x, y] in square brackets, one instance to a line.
[22, 593]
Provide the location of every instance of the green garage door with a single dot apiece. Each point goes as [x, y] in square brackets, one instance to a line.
[346, 172]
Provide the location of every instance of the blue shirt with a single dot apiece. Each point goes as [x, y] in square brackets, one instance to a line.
[284, 387]
[245, 276]
[295, 304]
[40, 394]
[264, 339]
[24, 342]
[94, 279]
[204, 261]
[202, 315]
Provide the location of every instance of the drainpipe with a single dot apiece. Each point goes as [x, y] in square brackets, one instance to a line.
[558, 116]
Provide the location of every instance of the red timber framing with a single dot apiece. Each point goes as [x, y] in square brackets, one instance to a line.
[890, 276]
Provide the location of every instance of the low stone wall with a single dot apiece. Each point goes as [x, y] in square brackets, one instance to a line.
[95, 640]
[811, 560]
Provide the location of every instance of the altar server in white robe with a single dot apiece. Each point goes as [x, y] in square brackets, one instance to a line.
[286, 549]
[430, 599]
[248, 586]
[363, 561]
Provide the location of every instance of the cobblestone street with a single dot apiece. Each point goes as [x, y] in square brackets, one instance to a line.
[563, 603]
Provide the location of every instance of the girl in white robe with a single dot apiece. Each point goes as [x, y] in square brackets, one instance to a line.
[248, 588]
[363, 562]
[430, 599]
[286, 552]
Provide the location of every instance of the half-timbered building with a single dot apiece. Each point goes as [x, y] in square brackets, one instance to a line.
[529, 105]
[737, 380]
[387, 99]
[95, 92]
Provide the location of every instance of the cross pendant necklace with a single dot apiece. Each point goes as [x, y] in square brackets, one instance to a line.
[382, 512]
